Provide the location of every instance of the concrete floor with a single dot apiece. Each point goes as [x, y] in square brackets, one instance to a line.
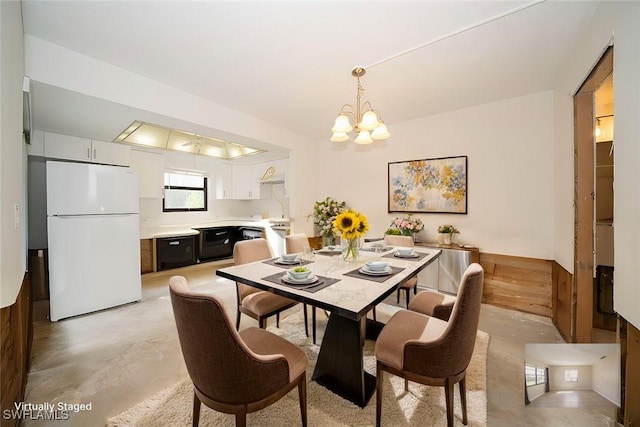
[118, 357]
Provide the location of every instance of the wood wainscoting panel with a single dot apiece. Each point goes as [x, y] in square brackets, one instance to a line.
[632, 377]
[16, 328]
[518, 283]
[146, 256]
[562, 301]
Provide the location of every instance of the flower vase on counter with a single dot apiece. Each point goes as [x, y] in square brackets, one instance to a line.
[446, 239]
[328, 241]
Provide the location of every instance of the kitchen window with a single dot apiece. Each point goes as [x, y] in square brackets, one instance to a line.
[184, 192]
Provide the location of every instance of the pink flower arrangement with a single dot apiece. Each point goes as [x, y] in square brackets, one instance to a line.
[407, 226]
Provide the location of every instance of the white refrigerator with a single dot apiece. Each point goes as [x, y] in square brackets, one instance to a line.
[93, 234]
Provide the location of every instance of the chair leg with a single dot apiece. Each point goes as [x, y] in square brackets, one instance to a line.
[313, 324]
[463, 399]
[448, 397]
[241, 418]
[262, 324]
[415, 290]
[277, 320]
[196, 411]
[374, 315]
[378, 393]
[408, 292]
[398, 296]
[306, 322]
[238, 321]
[406, 384]
[302, 396]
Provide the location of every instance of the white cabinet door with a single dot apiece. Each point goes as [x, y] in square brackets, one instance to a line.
[110, 153]
[245, 182]
[224, 181]
[58, 146]
[150, 167]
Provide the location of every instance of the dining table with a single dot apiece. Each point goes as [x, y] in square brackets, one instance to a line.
[347, 291]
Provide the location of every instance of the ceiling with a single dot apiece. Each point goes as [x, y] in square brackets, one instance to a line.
[289, 63]
[570, 354]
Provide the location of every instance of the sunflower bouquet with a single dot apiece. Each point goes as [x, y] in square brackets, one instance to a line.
[351, 225]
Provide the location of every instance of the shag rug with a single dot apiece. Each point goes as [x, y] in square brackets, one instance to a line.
[420, 406]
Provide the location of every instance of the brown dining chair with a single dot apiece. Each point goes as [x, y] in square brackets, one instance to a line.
[434, 304]
[412, 283]
[235, 373]
[431, 351]
[293, 244]
[253, 302]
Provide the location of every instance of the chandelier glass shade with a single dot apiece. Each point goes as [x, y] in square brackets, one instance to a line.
[367, 122]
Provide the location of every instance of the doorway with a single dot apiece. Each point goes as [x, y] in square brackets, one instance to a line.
[593, 200]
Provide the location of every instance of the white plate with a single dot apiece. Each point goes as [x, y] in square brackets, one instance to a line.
[281, 261]
[385, 272]
[309, 280]
[411, 255]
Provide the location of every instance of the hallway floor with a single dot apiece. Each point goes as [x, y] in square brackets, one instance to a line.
[116, 358]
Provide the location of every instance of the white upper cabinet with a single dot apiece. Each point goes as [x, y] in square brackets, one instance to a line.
[150, 167]
[110, 153]
[67, 147]
[57, 146]
[246, 182]
[224, 181]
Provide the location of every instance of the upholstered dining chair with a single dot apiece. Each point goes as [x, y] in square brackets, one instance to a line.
[233, 372]
[431, 351]
[434, 304]
[254, 302]
[403, 241]
[298, 243]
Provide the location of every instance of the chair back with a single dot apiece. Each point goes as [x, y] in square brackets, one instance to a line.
[246, 251]
[219, 363]
[451, 354]
[296, 243]
[403, 241]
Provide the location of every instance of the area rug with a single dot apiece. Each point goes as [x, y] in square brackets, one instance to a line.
[420, 406]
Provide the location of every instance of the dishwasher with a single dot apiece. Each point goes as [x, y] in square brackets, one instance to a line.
[216, 243]
[173, 252]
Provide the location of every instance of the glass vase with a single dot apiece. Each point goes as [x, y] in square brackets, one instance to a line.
[350, 249]
[328, 241]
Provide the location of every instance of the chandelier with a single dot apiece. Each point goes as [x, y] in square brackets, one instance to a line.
[368, 125]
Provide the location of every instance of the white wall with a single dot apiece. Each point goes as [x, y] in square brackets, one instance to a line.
[617, 20]
[509, 145]
[557, 382]
[12, 154]
[605, 377]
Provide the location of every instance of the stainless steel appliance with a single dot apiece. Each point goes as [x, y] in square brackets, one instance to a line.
[445, 275]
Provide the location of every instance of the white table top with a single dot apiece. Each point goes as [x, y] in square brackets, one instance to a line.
[350, 297]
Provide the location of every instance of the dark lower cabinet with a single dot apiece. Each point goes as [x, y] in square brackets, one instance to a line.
[176, 252]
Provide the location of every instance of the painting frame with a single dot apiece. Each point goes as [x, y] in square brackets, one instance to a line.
[437, 185]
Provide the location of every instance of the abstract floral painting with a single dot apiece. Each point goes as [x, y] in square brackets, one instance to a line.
[429, 185]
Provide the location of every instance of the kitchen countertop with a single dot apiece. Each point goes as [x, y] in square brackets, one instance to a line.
[191, 229]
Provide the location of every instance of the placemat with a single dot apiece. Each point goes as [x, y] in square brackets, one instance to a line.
[287, 266]
[418, 258]
[322, 282]
[356, 273]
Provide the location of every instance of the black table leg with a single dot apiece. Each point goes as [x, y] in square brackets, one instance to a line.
[340, 365]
